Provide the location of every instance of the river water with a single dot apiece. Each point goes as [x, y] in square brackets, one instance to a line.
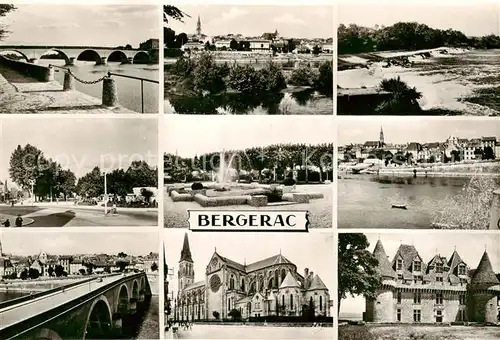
[365, 201]
[5, 296]
[129, 90]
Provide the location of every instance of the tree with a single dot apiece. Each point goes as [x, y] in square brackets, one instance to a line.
[4, 9]
[122, 254]
[50, 271]
[154, 267]
[181, 39]
[324, 81]
[24, 274]
[403, 100]
[356, 267]
[59, 270]
[233, 44]
[488, 153]
[173, 12]
[82, 271]
[119, 183]
[122, 264]
[66, 181]
[91, 184]
[25, 165]
[33, 273]
[316, 50]
[235, 314]
[140, 174]
[147, 194]
[128, 47]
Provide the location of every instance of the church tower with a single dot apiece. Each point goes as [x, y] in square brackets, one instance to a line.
[198, 27]
[186, 268]
[1, 254]
[381, 139]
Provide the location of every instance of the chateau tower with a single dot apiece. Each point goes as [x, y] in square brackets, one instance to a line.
[198, 27]
[381, 308]
[186, 266]
[381, 139]
[483, 291]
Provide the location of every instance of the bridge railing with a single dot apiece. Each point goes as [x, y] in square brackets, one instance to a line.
[109, 88]
[19, 330]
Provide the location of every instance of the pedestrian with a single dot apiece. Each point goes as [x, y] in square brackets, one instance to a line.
[12, 203]
[19, 221]
[6, 223]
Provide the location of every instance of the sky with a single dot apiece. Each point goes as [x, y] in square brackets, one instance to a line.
[80, 144]
[290, 21]
[313, 250]
[82, 25]
[473, 18]
[469, 245]
[70, 243]
[190, 136]
[399, 130]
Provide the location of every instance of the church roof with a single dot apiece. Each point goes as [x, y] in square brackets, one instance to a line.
[186, 252]
[384, 268]
[289, 282]
[233, 264]
[195, 285]
[484, 272]
[317, 284]
[270, 261]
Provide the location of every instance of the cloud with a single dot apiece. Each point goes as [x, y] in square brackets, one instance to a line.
[288, 18]
[55, 26]
[110, 23]
[233, 13]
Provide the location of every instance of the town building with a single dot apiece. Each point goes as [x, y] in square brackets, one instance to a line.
[259, 44]
[222, 44]
[440, 290]
[6, 267]
[271, 286]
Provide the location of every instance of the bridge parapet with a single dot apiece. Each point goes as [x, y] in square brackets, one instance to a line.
[105, 312]
[39, 72]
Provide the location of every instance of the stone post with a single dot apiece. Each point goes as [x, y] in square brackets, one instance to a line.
[69, 82]
[109, 92]
[70, 61]
[495, 211]
[49, 76]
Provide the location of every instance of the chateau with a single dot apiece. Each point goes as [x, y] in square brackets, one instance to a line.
[441, 290]
[271, 286]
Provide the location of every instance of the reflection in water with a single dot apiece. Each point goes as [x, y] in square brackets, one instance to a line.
[303, 102]
[9, 295]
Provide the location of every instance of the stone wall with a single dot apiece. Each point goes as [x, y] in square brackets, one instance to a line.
[38, 72]
[383, 309]
[483, 307]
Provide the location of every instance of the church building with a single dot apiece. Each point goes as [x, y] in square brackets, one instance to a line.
[441, 290]
[271, 286]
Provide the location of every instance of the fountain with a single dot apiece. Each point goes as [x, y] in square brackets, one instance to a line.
[223, 176]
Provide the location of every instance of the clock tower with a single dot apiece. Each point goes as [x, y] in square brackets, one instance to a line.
[186, 266]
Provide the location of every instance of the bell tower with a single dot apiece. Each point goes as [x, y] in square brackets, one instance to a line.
[381, 139]
[186, 266]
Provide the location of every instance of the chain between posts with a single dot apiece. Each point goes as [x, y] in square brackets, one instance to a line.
[90, 82]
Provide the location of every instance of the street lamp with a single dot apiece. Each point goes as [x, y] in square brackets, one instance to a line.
[105, 195]
[32, 184]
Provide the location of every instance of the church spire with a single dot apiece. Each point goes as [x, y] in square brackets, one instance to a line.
[381, 136]
[198, 26]
[186, 252]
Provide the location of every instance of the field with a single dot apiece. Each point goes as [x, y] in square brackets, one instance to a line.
[411, 332]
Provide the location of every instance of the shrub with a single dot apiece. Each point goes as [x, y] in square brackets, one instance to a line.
[355, 333]
[272, 76]
[244, 79]
[182, 67]
[289, 182]
[324, 82]
[404, 98]
[302, 76]
[197, 186]
[274, 195]
[207, 75]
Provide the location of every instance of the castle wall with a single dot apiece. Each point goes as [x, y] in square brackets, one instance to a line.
[383, 310]
[325, 298]
[483, 307]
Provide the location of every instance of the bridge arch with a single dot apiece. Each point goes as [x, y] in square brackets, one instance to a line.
[99, 320]
[89, 55]
[141, 57]
[135, 290]
[47, 334]
[123, 299]
[16, 51]
[58, 51]
[117, 56]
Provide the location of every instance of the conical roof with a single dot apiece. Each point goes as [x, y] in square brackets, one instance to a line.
[484, 272]
[317, 284]
[186, 252]
[454, 261]
[384, 268]
[289, 281]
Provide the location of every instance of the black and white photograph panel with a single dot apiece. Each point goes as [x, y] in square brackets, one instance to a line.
[79, 285]
[260, 289]
[418, 173]
[67, 172]
[284, 164]
[416, 285]
[76, 58]
[248, 59]
[418, 57]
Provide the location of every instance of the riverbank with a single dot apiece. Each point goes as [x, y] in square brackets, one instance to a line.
[20, 94]
[150, 326]
[455, 82]
[38, 285]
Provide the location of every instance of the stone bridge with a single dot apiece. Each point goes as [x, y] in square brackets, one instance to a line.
[72, 53]
[104, 307]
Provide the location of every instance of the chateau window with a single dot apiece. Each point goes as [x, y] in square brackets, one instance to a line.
[320, 302]
[398, 314]
[243, 284]
[439, 279]
[399, 297]
[417, 266]
[439, 298]
[462, 299]
[400, 276]
[439, 268]
[283, 300]
[461, 270]
[291, 301]
[399, 264]
[417, 298]
[462, 316]
[417, 313]
[417, 278]
[231, 282]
